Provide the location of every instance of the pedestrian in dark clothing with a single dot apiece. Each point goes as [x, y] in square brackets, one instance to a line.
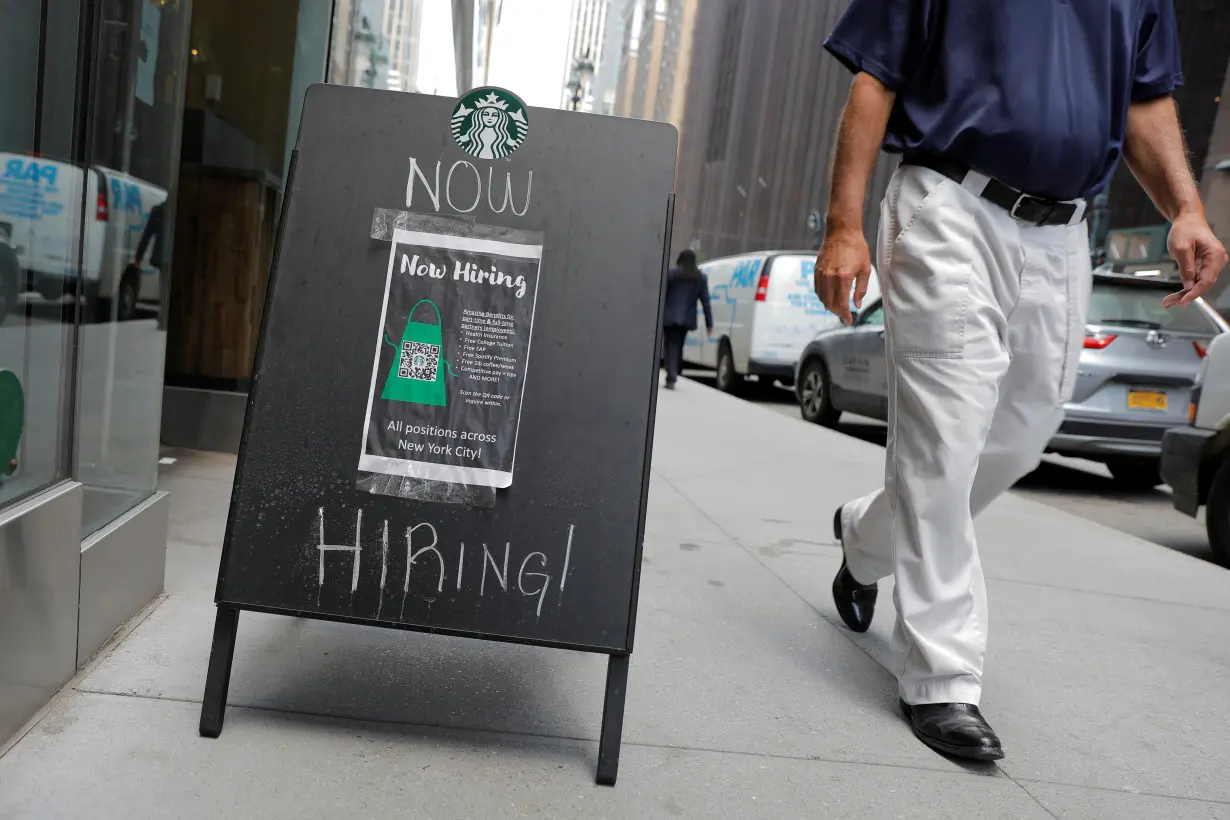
[685, 285]
[153, 238]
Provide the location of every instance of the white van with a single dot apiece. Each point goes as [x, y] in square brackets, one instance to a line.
[765, 311]
[40, 206]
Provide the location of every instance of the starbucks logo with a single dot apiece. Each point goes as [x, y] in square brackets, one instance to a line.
[490, 123]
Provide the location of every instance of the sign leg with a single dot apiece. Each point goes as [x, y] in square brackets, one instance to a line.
[218, 678]
[612, 719]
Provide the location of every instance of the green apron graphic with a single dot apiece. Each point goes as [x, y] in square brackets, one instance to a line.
[12, 418]
[417, 373]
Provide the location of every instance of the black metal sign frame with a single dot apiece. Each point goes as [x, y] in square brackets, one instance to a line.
[229, 606]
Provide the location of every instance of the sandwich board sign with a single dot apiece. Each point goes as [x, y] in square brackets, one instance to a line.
[456, 378]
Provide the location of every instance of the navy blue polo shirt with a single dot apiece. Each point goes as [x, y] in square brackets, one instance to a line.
[1034, 93]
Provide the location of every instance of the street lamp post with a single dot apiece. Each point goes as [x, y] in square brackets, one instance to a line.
[578, 82]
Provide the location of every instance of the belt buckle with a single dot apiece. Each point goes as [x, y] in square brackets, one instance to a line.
[1047, 208]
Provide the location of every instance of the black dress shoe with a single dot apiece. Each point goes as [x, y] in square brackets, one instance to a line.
[956, 729]
[856, 603]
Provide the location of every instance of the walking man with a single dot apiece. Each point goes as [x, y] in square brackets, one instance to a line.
[1010, 115]
[685, 286]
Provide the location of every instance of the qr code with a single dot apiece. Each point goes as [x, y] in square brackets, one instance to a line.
[418, 361]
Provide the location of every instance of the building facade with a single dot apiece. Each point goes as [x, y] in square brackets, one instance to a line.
[586, 35]
[144, 153]
[360, 51]
[403, 21]
[90, 140]
[656, 61]
[1204, 40]
[629, 56]
[763, 103]
[606, 70]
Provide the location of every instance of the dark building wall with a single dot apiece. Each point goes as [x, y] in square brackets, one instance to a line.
[1219, 142]
[764, 101]
[763, 105]
[1204, 40]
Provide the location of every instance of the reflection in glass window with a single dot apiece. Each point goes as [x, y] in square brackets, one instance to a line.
[129, 226]
[40, 226]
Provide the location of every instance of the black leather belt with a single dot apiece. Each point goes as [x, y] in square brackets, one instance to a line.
[1025, 207]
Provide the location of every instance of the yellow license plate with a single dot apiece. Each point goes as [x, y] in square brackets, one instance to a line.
[1146, 400]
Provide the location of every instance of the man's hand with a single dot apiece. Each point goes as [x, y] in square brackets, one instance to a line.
[1199, 254]
[844, 260]
[710, 332]
[1153, 149]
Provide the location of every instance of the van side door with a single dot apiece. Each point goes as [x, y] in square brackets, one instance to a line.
[699, 349]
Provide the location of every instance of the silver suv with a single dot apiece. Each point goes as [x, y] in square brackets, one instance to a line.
[1134, 381]
[1136, 373]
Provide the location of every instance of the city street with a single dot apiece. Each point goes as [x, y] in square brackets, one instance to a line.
[1076, 486]
[349, 466]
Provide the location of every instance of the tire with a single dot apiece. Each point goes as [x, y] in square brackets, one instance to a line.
[126, 298]
[816, 395]
[1217, 513]
[728, 379]
[1135, 474]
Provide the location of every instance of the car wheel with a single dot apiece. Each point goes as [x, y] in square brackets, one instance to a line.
[728, 379]
[126, 299]
[1217, 513]
[815, 395]
[1135, 474]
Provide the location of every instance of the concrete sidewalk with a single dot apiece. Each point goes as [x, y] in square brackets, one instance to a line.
[1107, 675]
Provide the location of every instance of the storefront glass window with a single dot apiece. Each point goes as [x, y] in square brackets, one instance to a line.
[248, 73]
[249, 70]
[141, 55]
[41, 194]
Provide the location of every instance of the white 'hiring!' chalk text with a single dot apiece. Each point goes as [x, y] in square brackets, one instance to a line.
[426, 561]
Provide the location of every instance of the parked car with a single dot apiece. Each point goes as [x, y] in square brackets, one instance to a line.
[845, 370]
[1133, 384]
[1196, 458]
[765, 311]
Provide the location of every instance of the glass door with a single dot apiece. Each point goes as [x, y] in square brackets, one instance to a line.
[138, 69]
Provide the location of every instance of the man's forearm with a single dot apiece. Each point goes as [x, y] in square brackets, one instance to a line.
[1155, 153]
[858, 145]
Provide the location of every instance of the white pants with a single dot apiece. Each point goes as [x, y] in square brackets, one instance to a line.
[985, 319]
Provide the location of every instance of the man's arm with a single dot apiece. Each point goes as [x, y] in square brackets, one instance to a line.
[844, 257]
[1156, 155]
[153, 224]
[704, 301]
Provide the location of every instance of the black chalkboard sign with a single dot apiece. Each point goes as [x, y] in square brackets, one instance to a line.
[451, 414]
